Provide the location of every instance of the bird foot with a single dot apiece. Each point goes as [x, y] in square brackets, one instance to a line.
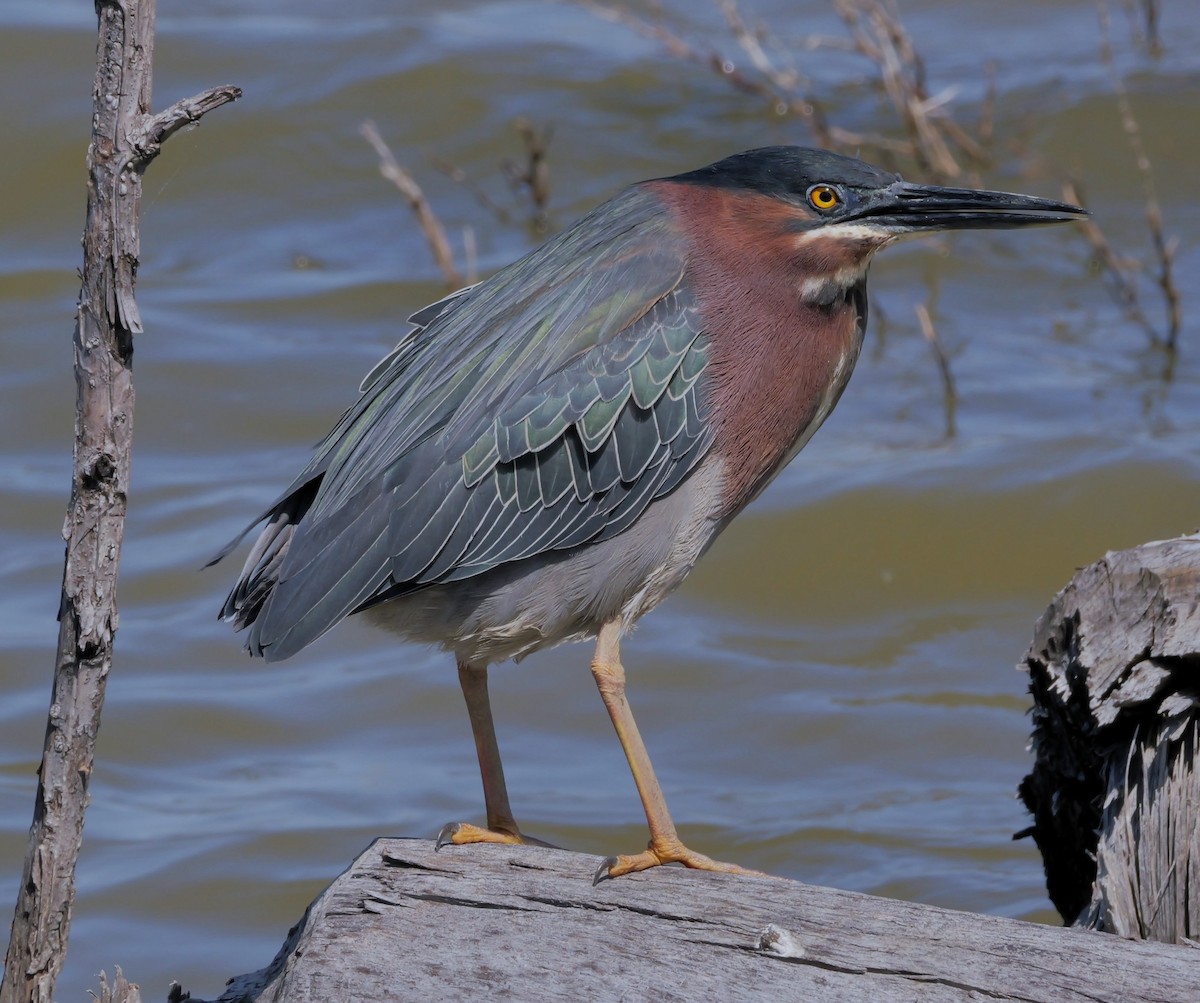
[462, 833]
[665, 852]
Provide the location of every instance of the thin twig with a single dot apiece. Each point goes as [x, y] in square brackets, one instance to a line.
[879, 35]
[460, 176]
[1120, 270]
[431, 226]
[986, 129]
[949, 395]
[802, 105]
[780, 99]
[148, 137]
[1150, 13]
[533, 178]
[786, 81]
[1144, 33]
[1164, 249]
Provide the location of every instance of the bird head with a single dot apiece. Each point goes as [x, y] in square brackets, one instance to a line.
[829, 213]
[821, 191]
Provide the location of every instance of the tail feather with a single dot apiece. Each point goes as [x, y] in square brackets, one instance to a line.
[260, 572]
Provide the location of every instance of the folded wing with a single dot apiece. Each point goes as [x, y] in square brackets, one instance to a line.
[537, 411]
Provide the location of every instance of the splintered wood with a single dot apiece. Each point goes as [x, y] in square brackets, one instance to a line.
[1115, 674]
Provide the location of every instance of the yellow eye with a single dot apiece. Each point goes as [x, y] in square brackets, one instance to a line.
[824, 197]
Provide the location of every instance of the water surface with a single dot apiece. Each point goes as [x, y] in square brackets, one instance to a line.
[830, 697]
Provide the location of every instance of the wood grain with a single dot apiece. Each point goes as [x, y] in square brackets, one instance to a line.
[406, 922]
[1115, 674]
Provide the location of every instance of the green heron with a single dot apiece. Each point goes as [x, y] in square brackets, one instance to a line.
[546, 454]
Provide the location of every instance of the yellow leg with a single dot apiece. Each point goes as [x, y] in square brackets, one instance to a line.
[501, 828]
[665, 847]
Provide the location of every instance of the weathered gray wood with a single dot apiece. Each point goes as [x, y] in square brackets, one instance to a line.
[121, 990]
[1115, 792]
[408, 923]
[124, 139]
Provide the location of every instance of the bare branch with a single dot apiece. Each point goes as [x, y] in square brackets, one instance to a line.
[1164, 249]
[148, 138]
[880, 36]
[779, 99]
[1165, 252]
[1150, 13]
[1144, 33]
[1119, 270]
[986, 130]
[786, 81]
[431, 226]
[949, 395]
[534, 177]
[125, 137]
[460, 176]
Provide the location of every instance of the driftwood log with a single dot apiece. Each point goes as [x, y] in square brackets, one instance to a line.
[408, 923]
[1115, 674]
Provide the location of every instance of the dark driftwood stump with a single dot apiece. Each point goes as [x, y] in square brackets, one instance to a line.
[1115, 674]
[406, 923]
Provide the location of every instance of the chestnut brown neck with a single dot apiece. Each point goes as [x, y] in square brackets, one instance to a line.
[784, 309]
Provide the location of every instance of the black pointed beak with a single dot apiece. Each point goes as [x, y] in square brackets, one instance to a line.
[906, 208]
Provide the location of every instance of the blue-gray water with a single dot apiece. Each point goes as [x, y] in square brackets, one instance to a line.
[831, 696]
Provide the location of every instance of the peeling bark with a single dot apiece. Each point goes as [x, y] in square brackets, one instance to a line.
[125, 139]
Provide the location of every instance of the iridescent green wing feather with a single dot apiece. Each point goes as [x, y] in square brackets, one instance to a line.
[541, 409]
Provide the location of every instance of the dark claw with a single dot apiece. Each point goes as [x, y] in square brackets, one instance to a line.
[602, 871]
[446, 836]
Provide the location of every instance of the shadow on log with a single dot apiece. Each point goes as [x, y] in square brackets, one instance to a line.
[1115, 675]
[406, 923]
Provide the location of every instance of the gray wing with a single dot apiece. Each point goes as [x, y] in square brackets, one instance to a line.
[576, 459]
[521, 419]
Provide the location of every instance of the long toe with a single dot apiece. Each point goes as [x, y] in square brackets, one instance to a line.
[462, 833]
[664, 852]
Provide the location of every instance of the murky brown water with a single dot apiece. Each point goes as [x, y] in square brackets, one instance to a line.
[830, 697]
